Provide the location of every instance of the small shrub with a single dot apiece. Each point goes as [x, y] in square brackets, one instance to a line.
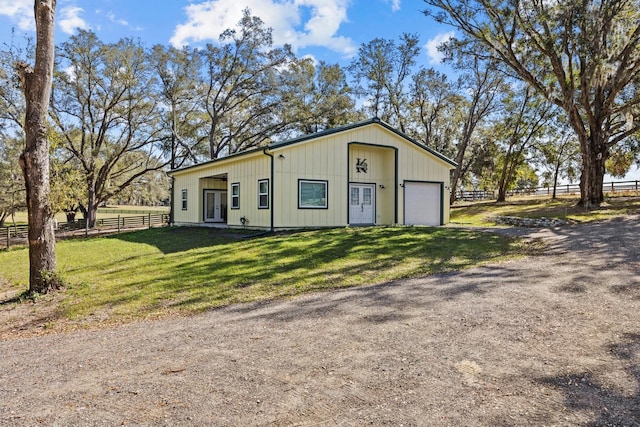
[51, 281]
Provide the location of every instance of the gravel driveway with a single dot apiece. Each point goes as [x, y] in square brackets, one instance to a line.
[547, 340]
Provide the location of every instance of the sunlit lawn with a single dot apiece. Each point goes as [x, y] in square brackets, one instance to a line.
[159, 271]
[480, 213]
[108, 212]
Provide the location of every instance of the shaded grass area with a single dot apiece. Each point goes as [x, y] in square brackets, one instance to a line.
[165, 270]
[564, 208]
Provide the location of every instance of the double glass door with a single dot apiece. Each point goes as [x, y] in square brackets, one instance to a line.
[215, 206]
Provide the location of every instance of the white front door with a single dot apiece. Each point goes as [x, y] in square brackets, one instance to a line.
[215, 206]
[362, 202]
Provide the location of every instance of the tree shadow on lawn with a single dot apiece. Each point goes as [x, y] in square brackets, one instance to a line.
[170, 240]
[609, 406]
[284, 265]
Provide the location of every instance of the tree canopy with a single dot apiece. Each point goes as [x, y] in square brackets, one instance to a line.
[582, 56]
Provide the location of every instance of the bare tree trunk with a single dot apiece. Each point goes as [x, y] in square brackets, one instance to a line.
[34, 161]
[502, 184]
[457, 173]
[555, 180]
[92, 206]
[594, 155]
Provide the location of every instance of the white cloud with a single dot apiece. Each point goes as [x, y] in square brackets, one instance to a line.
[208, 19]
[70, 20]
[112, 17]
[20, 12]
[431, 47]
[395, 5]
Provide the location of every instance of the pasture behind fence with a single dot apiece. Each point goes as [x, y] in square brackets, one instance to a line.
[631, 187]
[13, 235]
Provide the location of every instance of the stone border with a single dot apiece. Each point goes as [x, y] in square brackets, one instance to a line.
[541, 222]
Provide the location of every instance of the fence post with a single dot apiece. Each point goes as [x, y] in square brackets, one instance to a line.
[149, 222]
[119, 224]
[8, 237]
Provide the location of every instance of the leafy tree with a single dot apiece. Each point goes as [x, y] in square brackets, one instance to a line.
[317, 96]
[34, 160]
[67, 188]
[582, 56]
[622, 157]
[526, 178]
[151, 189]
[101, 105]
[436, 110]
[241, 88]
[381, 71]
[484, 84]
[180, 96]
[12, 191]
[12, 99]
[12, 114]
[561, 157]
[524, 119]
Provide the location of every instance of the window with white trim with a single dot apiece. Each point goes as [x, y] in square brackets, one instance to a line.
[184, 200]
[235, 195]
[312, 194]
[263, 194]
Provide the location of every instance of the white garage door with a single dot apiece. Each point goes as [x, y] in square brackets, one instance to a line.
[422, 203]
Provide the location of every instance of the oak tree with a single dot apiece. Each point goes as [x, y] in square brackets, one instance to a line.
[241, 97]
[102, 106]
[582, 56]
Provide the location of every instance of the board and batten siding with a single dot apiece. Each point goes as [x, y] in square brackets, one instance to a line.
[330, 157]
[333, 158]
[246, 170]
[381, 171]
[322, 159]
[414, 164]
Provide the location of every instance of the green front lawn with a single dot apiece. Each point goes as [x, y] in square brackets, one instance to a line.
[166, 270]
[535, 207]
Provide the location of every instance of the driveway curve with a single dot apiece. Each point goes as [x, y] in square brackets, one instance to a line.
[545, 340]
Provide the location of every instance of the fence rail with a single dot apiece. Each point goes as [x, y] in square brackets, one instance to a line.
[607, 187]
[563, 189]
[469, 196]
[13, 235]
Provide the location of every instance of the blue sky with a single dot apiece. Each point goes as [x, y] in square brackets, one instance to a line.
[329, 30]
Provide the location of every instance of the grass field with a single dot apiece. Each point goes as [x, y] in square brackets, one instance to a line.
[152, 273]
[106, 212]
[480, 213]
[159, 271]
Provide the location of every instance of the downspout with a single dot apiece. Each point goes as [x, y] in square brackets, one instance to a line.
[171, 200]
[395, 186]
[270, 189]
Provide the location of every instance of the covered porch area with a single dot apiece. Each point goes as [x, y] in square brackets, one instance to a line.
[214, 200]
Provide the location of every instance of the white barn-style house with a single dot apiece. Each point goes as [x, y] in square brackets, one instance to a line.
[367, 173]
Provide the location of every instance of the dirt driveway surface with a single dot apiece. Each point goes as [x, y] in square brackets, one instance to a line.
[547, 340]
